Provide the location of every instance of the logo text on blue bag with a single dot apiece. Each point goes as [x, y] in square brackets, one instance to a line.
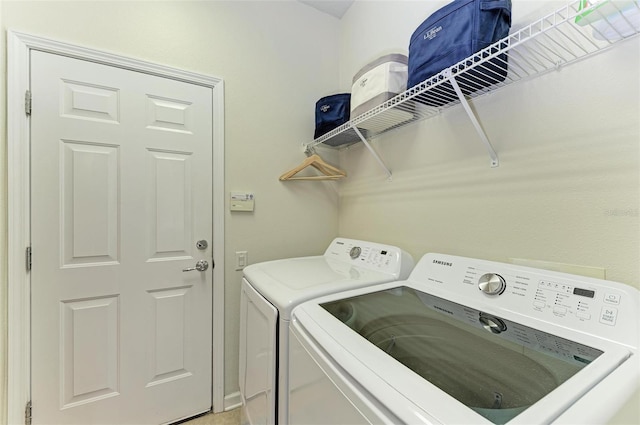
[431, 34]
[325, 108]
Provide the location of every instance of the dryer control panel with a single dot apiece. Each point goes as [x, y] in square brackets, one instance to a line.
[371, 255]
[600, 307]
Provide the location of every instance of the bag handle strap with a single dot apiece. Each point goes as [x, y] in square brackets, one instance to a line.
[501, 4]
[491, 5]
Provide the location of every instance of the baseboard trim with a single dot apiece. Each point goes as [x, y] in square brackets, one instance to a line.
[232, 401]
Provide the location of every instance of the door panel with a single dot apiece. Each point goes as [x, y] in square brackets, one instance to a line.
[82, 100]
[89, 341]
[170, 218]
[168, 360]
[169, 114]
[121, 191]
[90, 213]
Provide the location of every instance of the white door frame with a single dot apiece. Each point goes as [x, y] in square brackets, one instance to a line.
[19, 46]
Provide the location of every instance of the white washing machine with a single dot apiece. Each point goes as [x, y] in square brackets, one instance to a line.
[466, 341]
[271, 289]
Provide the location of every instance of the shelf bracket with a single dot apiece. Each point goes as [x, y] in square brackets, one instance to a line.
[475, 122]
[373, 152]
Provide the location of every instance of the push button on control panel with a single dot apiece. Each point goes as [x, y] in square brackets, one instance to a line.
[583, 315]
[560, 310]
[612, 298]
[608, 315]
[539, 304]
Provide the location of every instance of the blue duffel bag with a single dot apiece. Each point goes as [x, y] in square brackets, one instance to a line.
[455, 32]
[331, 112]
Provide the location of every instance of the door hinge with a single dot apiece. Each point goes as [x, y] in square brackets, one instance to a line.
[28, 258]
[27, 414]
[27, 102]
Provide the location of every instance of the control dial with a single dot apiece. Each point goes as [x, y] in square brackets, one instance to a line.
[492, 284]
[355, 252]
[492, 324]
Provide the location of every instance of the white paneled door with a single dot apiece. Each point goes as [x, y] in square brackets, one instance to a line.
[121, 173]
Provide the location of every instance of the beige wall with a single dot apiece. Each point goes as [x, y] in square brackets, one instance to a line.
[275, 66]
[3, 227]
[567, 188]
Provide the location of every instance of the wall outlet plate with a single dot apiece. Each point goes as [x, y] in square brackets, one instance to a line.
[596, 272]
[242, 259]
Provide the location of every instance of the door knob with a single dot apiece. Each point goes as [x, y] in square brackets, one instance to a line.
[201, 266]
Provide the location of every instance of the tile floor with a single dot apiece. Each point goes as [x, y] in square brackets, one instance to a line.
[232, 417]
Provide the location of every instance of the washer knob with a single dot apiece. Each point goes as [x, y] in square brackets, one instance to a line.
[492, 324]
[492, 284]
[355, 252]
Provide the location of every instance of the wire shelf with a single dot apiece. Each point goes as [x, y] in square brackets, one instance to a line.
[565, 36]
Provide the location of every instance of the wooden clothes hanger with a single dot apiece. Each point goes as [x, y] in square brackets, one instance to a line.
[329, 172]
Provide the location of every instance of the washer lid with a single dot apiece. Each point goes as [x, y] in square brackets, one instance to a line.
[494, 366]
[453, 362]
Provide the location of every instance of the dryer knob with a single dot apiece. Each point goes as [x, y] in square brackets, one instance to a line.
[355, 252]
[492, 284]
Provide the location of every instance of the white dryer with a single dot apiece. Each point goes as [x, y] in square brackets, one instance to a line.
[467, 341]
[270, 290]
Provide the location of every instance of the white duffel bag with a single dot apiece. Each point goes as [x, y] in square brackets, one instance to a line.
[377, 82]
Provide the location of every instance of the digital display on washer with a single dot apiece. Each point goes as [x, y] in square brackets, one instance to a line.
[584, 292]
[494, 366]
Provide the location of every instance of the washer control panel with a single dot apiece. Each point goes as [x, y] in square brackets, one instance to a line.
[605, 308]
[585, 303]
